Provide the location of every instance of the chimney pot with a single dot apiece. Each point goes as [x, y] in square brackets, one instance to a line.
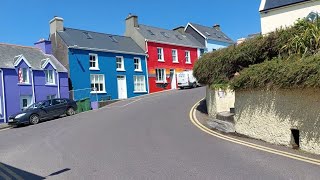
[56, 24]
[217, 27]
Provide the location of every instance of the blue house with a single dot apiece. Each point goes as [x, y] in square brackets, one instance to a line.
[101, 66]
[210, 37]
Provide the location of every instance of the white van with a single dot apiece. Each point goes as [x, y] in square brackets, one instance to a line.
[186, 79]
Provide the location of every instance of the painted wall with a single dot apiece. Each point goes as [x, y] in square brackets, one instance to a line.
[153, 62]
[219, 101]
[212, 44]
[286, 16]
[270, 116]
[80, 73]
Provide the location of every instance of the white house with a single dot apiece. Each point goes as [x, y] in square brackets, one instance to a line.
[283, 13]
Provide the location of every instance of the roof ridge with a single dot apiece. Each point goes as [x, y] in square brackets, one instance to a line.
[16, 45]
[98, 32]
[159, 28]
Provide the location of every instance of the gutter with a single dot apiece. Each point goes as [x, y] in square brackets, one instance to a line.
[161, 42]
[3, 98]
[104, 50]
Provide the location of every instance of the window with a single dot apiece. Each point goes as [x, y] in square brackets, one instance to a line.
[160, 54]
[174, 55]
[137, 64]
[49, 76]
[161, 75]
[120, 63]
[23, 75]
[150, 32]
[113, 39]
[165, 34]
[97, 83]
[188, 60]
[51, 97]
[25, 101]
[58, 101]
[139, 83]
[88, 36]
[94, 62]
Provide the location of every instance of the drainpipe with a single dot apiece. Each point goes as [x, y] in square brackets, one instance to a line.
[58, 81]
[3, 98]
[32, 81]
[146, 60]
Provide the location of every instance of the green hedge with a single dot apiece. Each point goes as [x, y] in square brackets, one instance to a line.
[288, 45]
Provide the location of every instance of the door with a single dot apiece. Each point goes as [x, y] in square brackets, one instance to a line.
[25, 101]
[122, 87]
[173, 79]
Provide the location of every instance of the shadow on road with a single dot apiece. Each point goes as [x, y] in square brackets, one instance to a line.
[203, 107]
[8, 172]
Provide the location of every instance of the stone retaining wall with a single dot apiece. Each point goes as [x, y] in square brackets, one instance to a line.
[270, 116]
[219, 101]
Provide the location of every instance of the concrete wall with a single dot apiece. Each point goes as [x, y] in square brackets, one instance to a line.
[286, 16]
[219, 101]
[270, 116]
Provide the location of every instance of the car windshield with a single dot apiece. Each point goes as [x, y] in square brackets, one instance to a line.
[35, 105]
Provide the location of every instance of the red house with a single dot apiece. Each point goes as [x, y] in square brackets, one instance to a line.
[169, 52]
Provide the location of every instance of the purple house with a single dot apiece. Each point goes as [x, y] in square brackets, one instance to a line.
[28, 75]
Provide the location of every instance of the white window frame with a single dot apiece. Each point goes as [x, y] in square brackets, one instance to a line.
[96, 67]
[175, 60]
[53, 77]
[139, 64]
[122, 63]
[28, 78]
[187, 57]
[160, 54]
[97, 82]
[142, 82]
[163, 72]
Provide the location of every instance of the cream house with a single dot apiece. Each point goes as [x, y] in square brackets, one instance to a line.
[283, 13]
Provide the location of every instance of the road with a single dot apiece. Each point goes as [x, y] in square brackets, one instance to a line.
[144, 138]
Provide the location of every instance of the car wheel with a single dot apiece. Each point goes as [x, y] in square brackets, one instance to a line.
[181, 87]
[194, 85]
[34, 119]
[70, 111]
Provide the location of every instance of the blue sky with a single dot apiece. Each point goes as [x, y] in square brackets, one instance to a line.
[26, 21]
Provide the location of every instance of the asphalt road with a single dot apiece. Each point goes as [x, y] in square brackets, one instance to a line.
[144, 138]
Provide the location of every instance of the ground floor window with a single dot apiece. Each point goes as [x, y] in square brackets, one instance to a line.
[25, 101]
[97, 83]
[139, 83]
[161, 75]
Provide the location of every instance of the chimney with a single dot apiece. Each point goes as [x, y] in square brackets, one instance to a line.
[44, 46]
[131, 23]
[56, 24]
[179, 29]
[217, 27]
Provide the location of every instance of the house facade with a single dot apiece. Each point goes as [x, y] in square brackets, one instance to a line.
[101, 66]
[28, 75]
[277, 14]
[168, 52]
[210, 37]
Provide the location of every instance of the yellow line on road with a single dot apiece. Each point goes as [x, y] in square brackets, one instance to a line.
[196, 122]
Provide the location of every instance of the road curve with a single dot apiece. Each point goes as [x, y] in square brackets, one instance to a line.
[149, 137]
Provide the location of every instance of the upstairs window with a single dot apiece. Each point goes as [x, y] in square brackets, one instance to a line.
[49, 76]
[160, 54]
[23, 75]
[93, 59]
[161, 75]
[137, 64]
[174, 55]
[187, 55]
[120, 63]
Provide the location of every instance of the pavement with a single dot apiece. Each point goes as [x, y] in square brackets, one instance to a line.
[150, 137]
[4, 126]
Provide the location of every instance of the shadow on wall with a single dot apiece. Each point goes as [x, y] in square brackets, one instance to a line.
[9, 172]
[300, 107]
[203, 107]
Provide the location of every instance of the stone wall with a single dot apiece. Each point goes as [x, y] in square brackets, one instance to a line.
[219, 101]
[270, 116]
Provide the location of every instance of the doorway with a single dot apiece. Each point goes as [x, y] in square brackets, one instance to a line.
[173, 79]
[122, 87]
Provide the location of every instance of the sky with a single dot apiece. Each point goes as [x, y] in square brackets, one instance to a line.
[24, 22]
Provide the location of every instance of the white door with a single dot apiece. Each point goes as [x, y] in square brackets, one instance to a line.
[173, 79]
[25, 101]
[122, 87]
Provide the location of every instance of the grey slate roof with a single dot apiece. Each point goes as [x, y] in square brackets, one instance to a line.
[212, 33]
[9, 53]
[99, 41]
[168, 36]
[272, 4]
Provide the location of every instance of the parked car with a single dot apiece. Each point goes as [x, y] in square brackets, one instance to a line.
[44, 110]
[186, 79]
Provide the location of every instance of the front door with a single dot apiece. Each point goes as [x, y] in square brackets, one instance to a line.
[122, 87]
[173, 79]
[25, 101]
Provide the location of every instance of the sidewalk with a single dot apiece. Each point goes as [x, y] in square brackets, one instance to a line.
[203, 118]
[4, 126]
